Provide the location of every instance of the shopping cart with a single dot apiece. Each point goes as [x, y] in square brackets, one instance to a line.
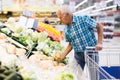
[109, 56]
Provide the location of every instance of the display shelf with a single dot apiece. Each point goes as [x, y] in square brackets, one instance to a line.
[107, 19]
[20, 45]
[11, 38]
[16, 43]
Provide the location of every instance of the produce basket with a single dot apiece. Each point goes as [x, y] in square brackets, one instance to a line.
[97, 63]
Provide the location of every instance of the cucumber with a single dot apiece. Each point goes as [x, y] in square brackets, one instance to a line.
[2, 70]
[12, 76]
[2, 76]
[8, 72]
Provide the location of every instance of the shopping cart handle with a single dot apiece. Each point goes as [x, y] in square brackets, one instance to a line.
[104, 47]
[90, 48]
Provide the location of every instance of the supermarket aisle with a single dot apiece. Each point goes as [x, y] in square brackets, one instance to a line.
[114, 42]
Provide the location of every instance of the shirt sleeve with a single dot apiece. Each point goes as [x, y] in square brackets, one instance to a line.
[90, 22]
[67, 38]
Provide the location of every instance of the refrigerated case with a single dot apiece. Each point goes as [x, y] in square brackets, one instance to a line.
[108, 30]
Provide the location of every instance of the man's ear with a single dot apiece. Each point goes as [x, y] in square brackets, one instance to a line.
[67, 14]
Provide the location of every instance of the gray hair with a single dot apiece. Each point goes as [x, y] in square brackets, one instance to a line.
[65, 9]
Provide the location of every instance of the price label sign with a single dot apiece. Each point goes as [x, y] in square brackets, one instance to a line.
[22, 21]
[27, 13]
[30, 22]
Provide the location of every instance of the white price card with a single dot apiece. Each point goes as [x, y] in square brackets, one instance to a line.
[22, 20]
[30, 22]
[27, 13]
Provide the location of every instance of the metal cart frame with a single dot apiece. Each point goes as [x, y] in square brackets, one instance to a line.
[96, 72]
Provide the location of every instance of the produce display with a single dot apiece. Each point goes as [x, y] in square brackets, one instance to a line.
[52, 32]
[37, 67]
[32, 40]
[7, 73]
[65, 76]
[36, 61]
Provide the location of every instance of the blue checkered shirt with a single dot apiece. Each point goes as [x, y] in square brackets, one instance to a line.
[81, 33]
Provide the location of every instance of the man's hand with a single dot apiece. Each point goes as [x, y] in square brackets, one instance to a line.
[58, 56]
[98, 46]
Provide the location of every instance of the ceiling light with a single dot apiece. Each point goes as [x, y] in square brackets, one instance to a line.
[81, 3]
[108, 1]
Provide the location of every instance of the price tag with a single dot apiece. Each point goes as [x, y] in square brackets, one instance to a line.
[30, 22]
[27, 13]
[22, 20]
[35, 24]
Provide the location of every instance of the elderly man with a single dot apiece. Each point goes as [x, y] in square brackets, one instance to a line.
[79, 32]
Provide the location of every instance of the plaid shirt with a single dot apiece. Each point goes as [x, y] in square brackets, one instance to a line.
[81, 33]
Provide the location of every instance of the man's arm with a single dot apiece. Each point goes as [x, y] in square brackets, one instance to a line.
[59, 56]
[100, 36]
[67, 50]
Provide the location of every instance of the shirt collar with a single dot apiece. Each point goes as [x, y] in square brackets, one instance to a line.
[74, 19]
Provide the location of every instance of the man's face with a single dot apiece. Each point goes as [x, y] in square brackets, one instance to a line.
[64, 18]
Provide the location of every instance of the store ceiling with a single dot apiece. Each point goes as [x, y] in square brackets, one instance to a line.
[34, 5]
[41, 3]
